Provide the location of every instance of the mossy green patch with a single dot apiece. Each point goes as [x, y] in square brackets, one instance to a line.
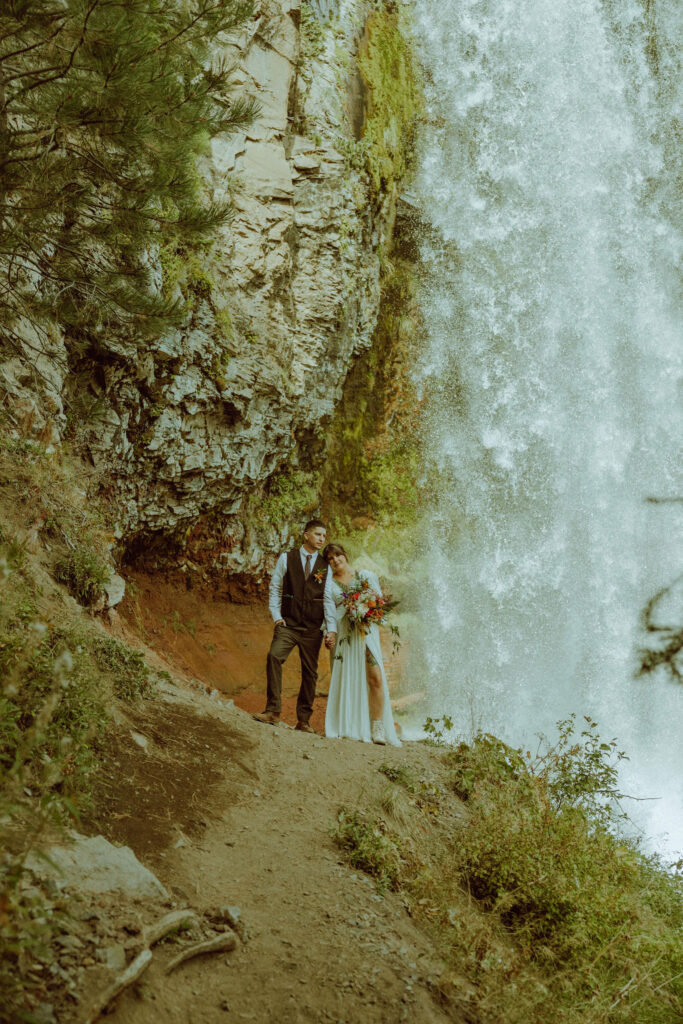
[288, 494]
[394, 95]
[374, 456]
[185, 268]
[182, 267]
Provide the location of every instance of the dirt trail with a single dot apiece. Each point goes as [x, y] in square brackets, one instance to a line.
[322, 944]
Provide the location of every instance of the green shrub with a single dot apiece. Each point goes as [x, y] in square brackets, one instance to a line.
[538, 850]
[57, 707]
[129, 674]
[487, 758]
[9, 732]
[85, 574]
[369, 847]
[582, 771]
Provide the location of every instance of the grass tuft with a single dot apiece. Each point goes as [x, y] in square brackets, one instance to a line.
[84, 573]
[130, 675]
[369, 846]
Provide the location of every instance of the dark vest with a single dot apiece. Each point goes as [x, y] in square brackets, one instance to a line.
[302, 600]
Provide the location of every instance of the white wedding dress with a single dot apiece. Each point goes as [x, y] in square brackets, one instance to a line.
[348, 705]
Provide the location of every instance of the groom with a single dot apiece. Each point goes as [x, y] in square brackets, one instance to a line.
[300, 603]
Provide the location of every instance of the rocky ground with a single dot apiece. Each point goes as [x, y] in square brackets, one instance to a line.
[234, 819]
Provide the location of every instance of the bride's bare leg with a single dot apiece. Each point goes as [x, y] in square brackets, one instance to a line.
[374, 677]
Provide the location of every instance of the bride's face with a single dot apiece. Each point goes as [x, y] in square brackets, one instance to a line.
[338, 563]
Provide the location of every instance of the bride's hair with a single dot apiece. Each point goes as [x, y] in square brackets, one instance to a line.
[334, 549]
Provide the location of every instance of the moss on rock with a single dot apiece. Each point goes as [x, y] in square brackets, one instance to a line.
[374, 455]
[394, 95]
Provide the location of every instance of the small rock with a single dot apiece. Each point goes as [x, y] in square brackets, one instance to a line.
[88, 914]
[231, 916]
[114, 590]
[225, 1005]
[141, 740]
[44, 1014]
[113, 957]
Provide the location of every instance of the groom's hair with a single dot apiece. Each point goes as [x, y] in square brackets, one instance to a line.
[313, 524]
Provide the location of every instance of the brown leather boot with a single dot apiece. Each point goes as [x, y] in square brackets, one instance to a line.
[269, 717]
[304, 727]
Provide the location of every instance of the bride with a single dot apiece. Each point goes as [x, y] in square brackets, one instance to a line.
[358, 702]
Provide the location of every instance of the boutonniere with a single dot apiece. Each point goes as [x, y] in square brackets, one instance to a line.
[319, 575]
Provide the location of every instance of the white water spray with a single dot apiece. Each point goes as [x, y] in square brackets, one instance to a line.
[552, 366]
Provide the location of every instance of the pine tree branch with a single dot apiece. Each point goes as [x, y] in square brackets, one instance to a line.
[65, 68]
[28, 49]
[203, 13]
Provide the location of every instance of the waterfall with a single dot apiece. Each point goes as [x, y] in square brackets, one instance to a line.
[551, 371]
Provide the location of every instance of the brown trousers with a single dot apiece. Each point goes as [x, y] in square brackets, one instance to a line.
[285, 639]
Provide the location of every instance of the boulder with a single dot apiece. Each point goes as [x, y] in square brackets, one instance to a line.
[114, 591]
[94, 865]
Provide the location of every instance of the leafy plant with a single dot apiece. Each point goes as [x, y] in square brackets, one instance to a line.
[436, 729]
[582, 772]
[369, 847]
[129, 673]
[487, 758]
[85, 573]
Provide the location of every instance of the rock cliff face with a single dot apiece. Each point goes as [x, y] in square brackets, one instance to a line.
[186, 431]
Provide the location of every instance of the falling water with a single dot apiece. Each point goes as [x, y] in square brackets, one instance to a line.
[551, 370]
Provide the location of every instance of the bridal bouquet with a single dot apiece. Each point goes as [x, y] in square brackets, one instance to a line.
[364, 605]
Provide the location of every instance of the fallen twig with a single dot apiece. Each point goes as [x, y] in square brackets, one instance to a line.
[131, 974]
[176, 920]
[222, 943]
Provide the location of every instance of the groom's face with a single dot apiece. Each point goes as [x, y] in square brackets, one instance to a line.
[315, 538]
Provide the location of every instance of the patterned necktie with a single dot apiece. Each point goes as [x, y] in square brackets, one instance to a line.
[307, 570]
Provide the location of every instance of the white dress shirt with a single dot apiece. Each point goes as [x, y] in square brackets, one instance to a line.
[275, 595]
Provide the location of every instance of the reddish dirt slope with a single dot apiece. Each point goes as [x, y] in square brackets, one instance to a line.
[221, 644]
